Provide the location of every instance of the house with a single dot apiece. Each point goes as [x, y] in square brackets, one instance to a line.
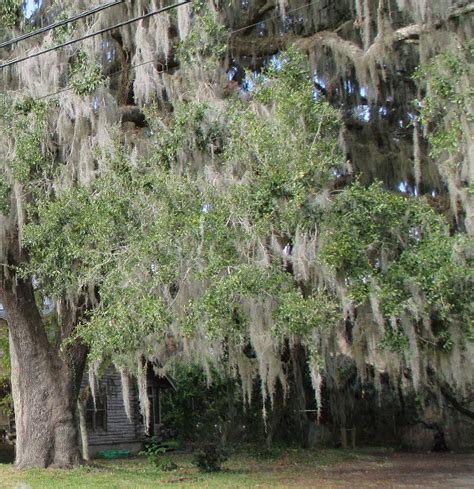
[108, 427]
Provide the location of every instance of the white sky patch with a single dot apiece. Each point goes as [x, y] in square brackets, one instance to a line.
[30, 7]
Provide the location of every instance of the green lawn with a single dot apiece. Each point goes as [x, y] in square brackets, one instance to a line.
[288, 469]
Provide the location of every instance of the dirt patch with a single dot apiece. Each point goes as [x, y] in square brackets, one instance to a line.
[398, 470]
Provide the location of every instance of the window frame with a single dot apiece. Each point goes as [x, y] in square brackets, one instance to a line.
[96, 413]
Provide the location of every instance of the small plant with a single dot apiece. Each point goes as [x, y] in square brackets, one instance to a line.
[166, 465]
[85, 77]
[5, 191]
[207, 41]
[9, 12]
[62, 33]
[209, 458]
[394, 341]
[154, 452]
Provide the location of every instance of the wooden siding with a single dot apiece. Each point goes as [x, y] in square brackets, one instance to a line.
[119, 430]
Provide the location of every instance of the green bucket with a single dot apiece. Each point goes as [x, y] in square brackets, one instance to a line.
[113, 454]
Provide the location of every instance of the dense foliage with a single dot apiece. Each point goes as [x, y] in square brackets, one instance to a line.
[178, 226]
[10, 12]
[144, 228]
[249, 218]
[397, 247]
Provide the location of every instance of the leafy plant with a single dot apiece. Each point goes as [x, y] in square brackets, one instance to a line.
[6, 400]
[210, 457]
[154, 453]
[296, 314]
[5, 190]
[447, 98]
[10, 12]
[389, 245]
[28, 125]
[64, 32]
[289, 156]
[207, 41]
[85, 76]
[394, 341]
[196, 411]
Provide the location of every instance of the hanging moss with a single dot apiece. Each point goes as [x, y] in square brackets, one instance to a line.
[227, 223]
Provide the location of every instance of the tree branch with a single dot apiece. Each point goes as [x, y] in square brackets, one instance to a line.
[455, 403]
[241, 45]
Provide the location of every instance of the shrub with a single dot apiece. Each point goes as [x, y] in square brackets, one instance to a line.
[209, 458]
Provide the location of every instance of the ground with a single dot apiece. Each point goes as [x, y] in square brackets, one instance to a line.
[322, 469]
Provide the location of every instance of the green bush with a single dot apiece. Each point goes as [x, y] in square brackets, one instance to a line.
[196, 411]
[210, 457]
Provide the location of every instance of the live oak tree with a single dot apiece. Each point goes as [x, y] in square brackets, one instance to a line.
[287, 185]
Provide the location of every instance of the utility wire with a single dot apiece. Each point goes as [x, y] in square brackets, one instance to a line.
[273, 17]
[184, 2]
[60, 23]
[93, 34]
[112, 75]
[115, 73]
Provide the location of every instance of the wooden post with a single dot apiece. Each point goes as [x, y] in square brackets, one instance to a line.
[81, 407]
[343, 437]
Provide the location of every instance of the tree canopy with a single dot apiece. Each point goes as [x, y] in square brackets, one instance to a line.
[297, 182]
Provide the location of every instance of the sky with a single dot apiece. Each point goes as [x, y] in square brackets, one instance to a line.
[31, 6]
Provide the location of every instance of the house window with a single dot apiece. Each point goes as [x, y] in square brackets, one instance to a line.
[155, 409]
[96, 416]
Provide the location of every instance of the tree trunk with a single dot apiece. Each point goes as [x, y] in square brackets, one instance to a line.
[81, 408]
[44, 387]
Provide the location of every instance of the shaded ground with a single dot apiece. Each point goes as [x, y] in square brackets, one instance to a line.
[398, 470]
[322, 469]
[6, 454]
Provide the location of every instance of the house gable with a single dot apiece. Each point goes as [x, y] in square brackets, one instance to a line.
[108, 426]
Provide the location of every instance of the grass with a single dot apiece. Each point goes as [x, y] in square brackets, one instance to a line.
[289, 468]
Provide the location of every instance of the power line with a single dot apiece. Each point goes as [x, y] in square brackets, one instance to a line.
[115, 73]
[112, 75]
[273, 17]
[60, 23]
[93, 34]
[136, 19]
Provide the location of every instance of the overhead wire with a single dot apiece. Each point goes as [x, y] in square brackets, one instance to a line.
[138, 65]
[273, 17]
[60, 23]
[93, 34]
[112, 75]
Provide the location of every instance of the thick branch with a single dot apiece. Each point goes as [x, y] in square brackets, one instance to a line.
[242, 46]
[459, 12]
[22, 313]
[456, 404]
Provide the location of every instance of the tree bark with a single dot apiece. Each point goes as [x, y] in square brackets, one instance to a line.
[45, 386]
